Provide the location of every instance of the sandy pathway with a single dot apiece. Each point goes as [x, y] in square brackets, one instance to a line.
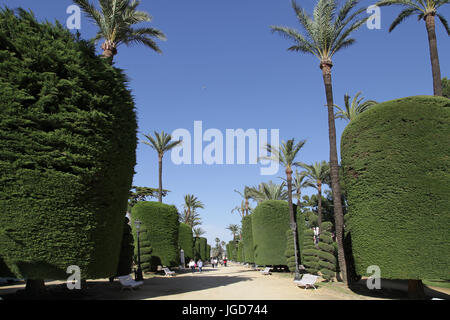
[234, 282]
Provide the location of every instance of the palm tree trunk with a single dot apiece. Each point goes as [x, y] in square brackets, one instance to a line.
[416, 289]
[334, 169]
[160, 178]
[432, 42]
[319, 207]
[109, 49]
[35, 287]
[293, 222]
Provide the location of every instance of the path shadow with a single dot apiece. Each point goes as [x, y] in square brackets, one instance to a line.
[153, 288]
[393, 289]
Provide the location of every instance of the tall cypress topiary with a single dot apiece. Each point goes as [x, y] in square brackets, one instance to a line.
[145, 251]
[396, 163]
[270, 220]
[240, 255]
[326, 252]
[67, 152]
[202, 248]
[161, 224]
[247, 238]
[310, 253]
[289, 252]
[186, 241]
[208, 252]
[126, 251]
[197, 249]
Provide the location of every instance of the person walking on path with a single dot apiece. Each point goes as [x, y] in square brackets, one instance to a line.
[212, 262]
[192, 265]
[200, 265]
[225, 262]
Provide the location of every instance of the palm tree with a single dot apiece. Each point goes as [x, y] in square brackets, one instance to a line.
[354, 108]
[318, 173]
[426, 10]
[298, 183]
[240, 209]
[235, 230]
[198, 232]
[161, 143]
[246, 195]
[268, 191]
[116, 22]
[286, 154]
[325, 33]
[190, 215]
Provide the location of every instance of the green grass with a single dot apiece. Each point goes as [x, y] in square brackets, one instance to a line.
[437, 283]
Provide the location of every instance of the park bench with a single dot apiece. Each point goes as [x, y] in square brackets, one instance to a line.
[306, 281]
[128, 283]
[266, 271]
[168, 272]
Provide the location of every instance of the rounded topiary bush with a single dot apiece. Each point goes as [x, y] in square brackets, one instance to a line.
[310, 257]
[396, 165]
[161, 225]
[67, 152]
[186, 241]
[247, 239]
[326, 252]
[270, 221]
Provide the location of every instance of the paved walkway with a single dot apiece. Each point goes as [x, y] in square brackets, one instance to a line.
[234, 282]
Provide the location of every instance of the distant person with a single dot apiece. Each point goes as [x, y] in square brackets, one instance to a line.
[225, 262]
[212, 262]
[200, 265]
[192, 265]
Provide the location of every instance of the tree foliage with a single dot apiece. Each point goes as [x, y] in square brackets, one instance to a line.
[67, 152]
[396, 169]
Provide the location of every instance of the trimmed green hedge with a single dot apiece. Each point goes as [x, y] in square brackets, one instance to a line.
[200, 248]
[203, 248]
[67, 152]
[161, 224]
[290, 251]
[126, 251]
[208, 252]
[270, 220]
[309, 253]
[240, 252]
[146, 251]
[232, 250]
[397, 175]
[186, 241]
[247, 239]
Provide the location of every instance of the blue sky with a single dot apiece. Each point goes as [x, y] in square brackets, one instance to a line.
[222, 65]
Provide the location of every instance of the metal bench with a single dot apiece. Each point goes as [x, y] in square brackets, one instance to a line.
[129, 283]
[266, 271]
[168, 272]
[306, 281]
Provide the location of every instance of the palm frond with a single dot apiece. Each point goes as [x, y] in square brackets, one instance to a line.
[402, 16]
[444, 22]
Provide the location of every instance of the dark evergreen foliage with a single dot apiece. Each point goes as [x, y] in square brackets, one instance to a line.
[161, 225]
[396, 165]
[67, 152]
